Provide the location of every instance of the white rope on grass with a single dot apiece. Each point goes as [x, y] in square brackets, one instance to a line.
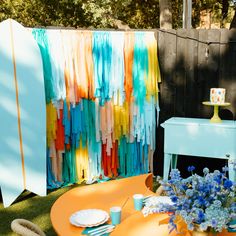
[26, 228]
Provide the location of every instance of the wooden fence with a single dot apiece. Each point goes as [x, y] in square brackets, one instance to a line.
[192, 62]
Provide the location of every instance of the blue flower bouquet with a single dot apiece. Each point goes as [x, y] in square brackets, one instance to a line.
[206, 203]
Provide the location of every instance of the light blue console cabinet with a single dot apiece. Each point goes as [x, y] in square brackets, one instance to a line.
[199, 137]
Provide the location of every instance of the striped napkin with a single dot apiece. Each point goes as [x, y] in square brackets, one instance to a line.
[85, 231]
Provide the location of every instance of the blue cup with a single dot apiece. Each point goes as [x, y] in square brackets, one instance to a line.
[115, 213]
[138, 202]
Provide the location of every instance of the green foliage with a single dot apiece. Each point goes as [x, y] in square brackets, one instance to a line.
[105, 13]
[99, 13]
[219, 10]
[81, 13]
[141, 14]
[135, 14]
[44, 13]
[177, 13]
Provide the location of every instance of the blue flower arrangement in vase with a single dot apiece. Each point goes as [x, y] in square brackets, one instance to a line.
[205, 203]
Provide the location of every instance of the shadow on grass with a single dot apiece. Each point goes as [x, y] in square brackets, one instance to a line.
[31, 207]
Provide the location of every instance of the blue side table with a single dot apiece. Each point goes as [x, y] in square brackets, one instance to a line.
[199, 137]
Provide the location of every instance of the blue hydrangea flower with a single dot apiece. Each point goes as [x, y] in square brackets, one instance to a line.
[174, 199]
[228, 183]
[205, 170]
[190, 226]
[225, 169]
[189, 192]
[175, 175]
[203, 226]
[208, 201]
[191, 168]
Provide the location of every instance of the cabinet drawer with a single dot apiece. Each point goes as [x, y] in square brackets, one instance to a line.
[200, 140]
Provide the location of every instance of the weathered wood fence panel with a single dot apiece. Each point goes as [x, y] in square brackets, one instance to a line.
[192, 62]
[191, 96]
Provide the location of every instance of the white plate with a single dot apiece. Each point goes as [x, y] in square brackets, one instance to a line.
[84, 226]
[89, 218]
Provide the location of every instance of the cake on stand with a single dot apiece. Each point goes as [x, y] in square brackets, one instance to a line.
[215, 118]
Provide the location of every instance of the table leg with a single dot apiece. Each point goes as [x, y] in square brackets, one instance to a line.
[167, 160]
[232, 169]
[174, 161]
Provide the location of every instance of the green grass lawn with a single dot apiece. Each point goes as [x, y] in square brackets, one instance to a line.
[34, 208]
[31, 207]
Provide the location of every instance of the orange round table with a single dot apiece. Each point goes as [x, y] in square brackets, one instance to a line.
[106, 195]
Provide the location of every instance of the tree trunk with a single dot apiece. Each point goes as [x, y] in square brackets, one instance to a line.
[233, 22]
[165, 14]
